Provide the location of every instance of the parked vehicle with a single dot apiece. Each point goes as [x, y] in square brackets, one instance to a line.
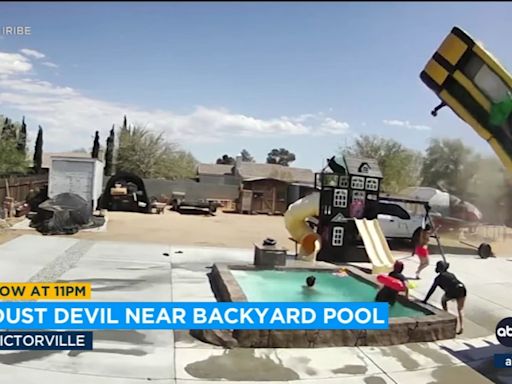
[176, 200]
[398, 223]
[395, 220]
[180, 201]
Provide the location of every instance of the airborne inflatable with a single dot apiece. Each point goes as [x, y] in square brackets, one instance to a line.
[470, 81]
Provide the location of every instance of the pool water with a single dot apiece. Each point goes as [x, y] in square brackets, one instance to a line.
[289, 286]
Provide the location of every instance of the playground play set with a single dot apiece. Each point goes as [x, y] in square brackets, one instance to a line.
[347, 206]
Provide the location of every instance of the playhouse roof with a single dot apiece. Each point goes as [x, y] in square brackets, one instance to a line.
[355, 166]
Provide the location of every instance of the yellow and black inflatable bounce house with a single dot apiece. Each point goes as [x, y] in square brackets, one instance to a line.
[470, 81]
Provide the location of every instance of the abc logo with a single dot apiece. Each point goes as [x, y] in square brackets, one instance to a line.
[504, 332]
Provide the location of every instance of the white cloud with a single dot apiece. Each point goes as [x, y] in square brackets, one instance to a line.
[32, 53]
[330, 126]
[11, 63]
[406, 124]
[34, 87]
[69, 116]
[50, 64]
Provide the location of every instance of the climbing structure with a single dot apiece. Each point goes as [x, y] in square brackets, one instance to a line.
[349, 190]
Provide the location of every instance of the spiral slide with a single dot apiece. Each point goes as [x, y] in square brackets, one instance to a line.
[376, 245]
[295, 222]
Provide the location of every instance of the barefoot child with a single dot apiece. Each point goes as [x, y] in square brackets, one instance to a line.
[421, 249]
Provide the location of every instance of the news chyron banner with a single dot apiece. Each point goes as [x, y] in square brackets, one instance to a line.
[21, 295]
[59, 316]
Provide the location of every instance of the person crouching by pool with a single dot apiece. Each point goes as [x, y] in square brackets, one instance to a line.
[453, 289]
[389, 295]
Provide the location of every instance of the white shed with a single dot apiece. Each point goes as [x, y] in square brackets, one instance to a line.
[81, 176]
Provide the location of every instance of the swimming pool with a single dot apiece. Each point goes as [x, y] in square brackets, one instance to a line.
[410, 321]
[288, 286]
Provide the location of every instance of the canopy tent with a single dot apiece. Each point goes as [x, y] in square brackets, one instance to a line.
[135, 188]
[444, 203]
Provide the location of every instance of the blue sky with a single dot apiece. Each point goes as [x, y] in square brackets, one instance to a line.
[219, 77]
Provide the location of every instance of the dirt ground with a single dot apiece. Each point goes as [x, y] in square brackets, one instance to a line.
[222, 230]
[226, 230]
[5, 233]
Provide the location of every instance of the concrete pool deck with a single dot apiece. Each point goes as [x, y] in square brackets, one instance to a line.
[123, 271]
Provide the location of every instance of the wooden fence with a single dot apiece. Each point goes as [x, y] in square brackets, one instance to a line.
[19, 186]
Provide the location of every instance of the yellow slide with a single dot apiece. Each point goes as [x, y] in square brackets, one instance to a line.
[295, 222]
[376, 245]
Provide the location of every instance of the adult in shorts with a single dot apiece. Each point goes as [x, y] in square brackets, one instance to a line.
[453, 289]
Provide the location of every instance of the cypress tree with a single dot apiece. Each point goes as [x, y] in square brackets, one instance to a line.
[96, 146]
[22, 137]
[9, 130]
[109, 154]
[3, 131]
[38, 151]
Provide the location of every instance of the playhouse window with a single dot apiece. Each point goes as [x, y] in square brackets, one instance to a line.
[358, 195]
[340, 198]
[357, 182]
[339, 218]
[343, 182]
[330, 180]
[372, 184]
[318, 180]
[327, 210]
[337, 236]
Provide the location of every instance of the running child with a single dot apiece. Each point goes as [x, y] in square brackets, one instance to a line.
[421, 249]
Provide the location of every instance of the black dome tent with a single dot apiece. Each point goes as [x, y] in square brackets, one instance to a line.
[135, 200]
